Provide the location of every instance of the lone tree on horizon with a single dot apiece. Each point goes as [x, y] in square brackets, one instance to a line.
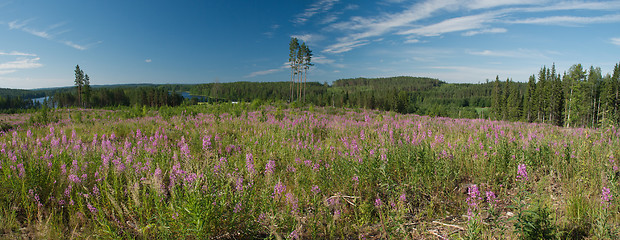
[299, 59]
[82, 82]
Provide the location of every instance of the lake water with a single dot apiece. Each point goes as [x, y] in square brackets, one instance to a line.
[187, 95]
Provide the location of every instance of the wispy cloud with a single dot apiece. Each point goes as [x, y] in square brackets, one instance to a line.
[485, 4]
[309, 38]
[453, 25]
[615, 41]
[74, 45]
[272, 30]
[569, 20]
[268, 71]
[345, 46]
[148, 60]
[317, 7]
[264, 72]
[418, 20]
[483, 31]
[322, 60]
[20, 63]
[47, 33]
[519, 53]
[15, 53]
[7, 71]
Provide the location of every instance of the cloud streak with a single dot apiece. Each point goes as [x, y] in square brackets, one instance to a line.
[519, 53]
[316, 8]
[46, 34]
[268, 71]
[15, 53]
[21, 61]
[569, 20]
[615, 41]
[418, 20]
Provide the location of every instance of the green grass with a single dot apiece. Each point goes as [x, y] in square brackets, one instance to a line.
[186, 172]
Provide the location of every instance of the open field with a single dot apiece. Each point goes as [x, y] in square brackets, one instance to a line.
[246, 171]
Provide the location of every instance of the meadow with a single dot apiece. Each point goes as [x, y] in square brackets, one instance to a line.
[238, 171]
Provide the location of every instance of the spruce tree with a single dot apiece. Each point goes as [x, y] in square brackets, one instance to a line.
[529, 101]
[496, 99]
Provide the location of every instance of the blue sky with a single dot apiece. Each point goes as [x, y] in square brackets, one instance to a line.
[119, 42]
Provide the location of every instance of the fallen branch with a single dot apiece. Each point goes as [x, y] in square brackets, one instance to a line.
[450, 225]
[436, 234]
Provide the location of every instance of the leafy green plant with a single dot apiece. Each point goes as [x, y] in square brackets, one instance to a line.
[535, 223]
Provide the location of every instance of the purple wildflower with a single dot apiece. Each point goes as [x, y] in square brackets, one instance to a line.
[378, 203]
[270, 166]
[249, 163]
[522, 173]
[278, 189]
[606, 196]
[491, 198]
[91, 208]
[74, 178]
[316, 189]
[473, 199]
[403, 198]
[237, 207]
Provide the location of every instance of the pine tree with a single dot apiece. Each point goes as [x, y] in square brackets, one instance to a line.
[307, 63]
[79, 83]
[529, 101]
[558, 101]
[594, 83]
[513, 101]
[543, 95]
[292, 59]
[496, 99]
[87, 90]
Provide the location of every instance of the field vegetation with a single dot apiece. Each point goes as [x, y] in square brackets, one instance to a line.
[248, 170]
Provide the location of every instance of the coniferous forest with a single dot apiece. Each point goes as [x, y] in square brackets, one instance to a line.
[576, 97]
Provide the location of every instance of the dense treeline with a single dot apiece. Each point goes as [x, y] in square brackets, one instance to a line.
[12, 103]
[426, 96]
[249, 91]
[576, 98]
[106, 97]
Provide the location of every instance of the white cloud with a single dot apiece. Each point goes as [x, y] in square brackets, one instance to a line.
[17, 25]
[569, 20]
[74, 45]
[309, 38]
[615, 41]
[322, 60]
[37, 33]
[483, 4]
[21, 63]
[272, 30]
[317, 7]
[482, 31]
[23, 26]
[264, 72]
[452, 25]
[345, 46]
[418, 19]
[15, 53]
[268, 71]
[519, 53]
[7, 71]
[148, 60]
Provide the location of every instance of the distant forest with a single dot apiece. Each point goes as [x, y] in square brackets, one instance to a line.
[576, 98]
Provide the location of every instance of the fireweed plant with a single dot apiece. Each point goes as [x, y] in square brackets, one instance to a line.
[246, 171]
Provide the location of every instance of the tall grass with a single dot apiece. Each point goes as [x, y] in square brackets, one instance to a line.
[251, 171]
